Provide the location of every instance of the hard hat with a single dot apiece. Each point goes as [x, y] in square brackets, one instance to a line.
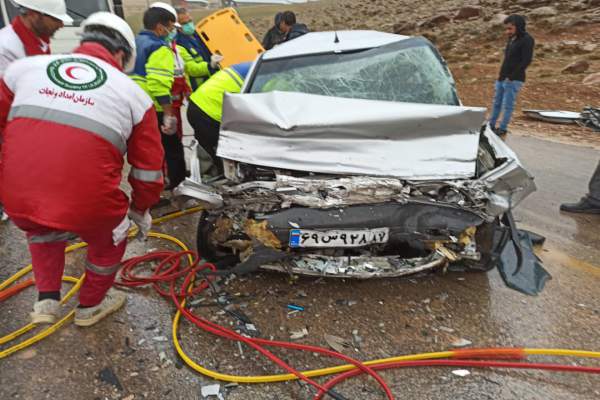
[118, 24]
[165, 6]
[53, 8]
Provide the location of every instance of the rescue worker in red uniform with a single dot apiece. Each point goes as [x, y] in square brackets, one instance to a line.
[66, 122]
[29, 35]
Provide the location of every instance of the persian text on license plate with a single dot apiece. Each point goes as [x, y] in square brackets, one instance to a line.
[342, 238]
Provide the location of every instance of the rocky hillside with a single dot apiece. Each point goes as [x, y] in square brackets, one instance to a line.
[565, 73]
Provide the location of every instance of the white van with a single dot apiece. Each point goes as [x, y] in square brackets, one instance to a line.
[67, 38]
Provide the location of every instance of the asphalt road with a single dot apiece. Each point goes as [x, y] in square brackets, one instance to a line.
[399, 316]
[562, 173]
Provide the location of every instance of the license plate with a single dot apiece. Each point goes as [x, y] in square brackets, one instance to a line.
[341, 238]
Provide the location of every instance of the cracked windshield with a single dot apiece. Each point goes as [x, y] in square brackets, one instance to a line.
[413, 74]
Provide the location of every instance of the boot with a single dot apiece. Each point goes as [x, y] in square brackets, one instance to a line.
[502, 134]
[113, 300]
[45, 311]
[584, 206]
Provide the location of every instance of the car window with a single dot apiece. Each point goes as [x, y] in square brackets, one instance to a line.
[11, 10]
[405, 72]
[80, 10]
[77, 9]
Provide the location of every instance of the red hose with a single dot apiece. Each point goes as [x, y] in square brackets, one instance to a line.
[459, 363]
[14, 289]
[170, 269]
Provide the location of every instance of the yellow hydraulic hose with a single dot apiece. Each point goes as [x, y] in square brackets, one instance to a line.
[78, 282]
[46, 332]
[240, 378]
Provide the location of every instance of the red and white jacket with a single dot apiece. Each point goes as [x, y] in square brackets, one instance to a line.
[66, 121]
[16, 42]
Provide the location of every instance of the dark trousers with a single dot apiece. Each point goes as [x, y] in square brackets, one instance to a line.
[594, 194]
[206, 130]
[174, 156]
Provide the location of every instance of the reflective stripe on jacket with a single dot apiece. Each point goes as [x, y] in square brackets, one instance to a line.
[66, 122]
[196, 69]
[154, 69]
[209, 96]
[198, 52]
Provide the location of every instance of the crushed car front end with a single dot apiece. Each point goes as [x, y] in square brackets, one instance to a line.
[327, 175]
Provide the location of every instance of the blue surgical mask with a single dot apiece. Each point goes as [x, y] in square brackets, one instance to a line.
[188, 28]
[171, 36]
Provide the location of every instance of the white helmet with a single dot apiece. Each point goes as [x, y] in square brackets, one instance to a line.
[118, 24]
[53, 8]
[164, 6]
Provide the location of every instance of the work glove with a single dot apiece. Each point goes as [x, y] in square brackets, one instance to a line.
[169, 126]
[143, 222]
[121, 231]
[215, 59]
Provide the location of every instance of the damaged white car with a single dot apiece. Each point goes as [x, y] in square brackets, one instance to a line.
[349, 154]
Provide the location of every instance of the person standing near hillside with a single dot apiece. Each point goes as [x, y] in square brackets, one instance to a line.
[518, 54]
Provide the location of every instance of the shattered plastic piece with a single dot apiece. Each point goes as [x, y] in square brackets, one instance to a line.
[296, 335]
[162, 356]
[556, 117]
[160, 339]
[337, 343]
[461, 343]
[461, 372]
[260, 232]
[212, 390]
[108, 375]
[295, 307]
[356, 338]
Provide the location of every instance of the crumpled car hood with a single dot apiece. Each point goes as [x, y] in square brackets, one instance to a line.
[333, 135]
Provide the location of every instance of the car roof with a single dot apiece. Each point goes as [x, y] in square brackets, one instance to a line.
[325, 42]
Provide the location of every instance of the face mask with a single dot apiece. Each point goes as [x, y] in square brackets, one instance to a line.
[170, 35]
[188, 28]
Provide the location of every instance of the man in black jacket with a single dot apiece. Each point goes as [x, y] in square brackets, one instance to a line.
[275, 35]
[286, 28]
[517, 57]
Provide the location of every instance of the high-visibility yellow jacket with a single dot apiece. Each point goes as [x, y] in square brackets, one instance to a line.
[196, 69]
[198, 52]
[209, 96]
[154, 68]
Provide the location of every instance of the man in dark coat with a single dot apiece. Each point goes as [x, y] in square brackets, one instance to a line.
[518, 54]
[286, 28]
[275, 35]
